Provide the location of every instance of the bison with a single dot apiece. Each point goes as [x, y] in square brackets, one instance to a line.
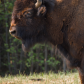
[59, 22]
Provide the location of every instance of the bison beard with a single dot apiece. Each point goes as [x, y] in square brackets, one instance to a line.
[60, 22]
[30, 39]
[28, 43]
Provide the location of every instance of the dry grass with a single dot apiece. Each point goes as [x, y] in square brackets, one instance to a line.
[51, 78]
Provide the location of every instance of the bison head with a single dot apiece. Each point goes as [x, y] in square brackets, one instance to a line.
[29, 22]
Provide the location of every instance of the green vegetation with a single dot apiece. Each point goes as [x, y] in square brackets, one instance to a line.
[50, 78]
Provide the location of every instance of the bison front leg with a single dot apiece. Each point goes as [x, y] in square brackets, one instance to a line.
[81, 71]
[81, 78]
[81, 75]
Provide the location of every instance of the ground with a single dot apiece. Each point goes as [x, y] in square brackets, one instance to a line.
[51, 78]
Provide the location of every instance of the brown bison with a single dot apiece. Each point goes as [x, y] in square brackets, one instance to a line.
[60, 22]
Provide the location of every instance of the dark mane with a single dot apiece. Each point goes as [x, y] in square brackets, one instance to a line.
[20, 5]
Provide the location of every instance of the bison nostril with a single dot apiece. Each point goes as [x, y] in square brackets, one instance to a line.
[13, 32]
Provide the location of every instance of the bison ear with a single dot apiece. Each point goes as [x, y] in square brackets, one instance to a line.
[41, 11]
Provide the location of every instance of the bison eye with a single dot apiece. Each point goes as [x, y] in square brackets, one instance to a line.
[27, 14]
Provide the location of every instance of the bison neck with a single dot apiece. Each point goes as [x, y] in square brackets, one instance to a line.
[55, 34]
[59, 24]
[54, 22]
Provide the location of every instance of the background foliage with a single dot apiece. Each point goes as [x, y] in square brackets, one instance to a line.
[41, 58]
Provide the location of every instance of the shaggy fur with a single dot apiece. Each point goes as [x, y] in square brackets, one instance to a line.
[60, 22]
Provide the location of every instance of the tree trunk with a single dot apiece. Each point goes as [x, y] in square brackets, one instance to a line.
[52, 54]
[52, 51]
[21, 64]
[31, 62]
[64, 65]
[37, 57]
[15, 64]
[0, 58]
[7, 35]
[46, 58]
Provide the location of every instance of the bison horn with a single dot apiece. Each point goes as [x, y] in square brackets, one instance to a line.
[38, 3]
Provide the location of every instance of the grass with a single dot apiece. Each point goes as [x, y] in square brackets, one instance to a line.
[51, 78]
